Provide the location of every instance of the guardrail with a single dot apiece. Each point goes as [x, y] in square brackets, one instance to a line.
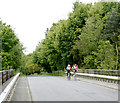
[100, 72]
[5, 75]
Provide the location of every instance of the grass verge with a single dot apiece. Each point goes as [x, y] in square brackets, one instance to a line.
[54, 73]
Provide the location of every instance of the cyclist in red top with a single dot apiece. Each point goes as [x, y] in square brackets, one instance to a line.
[75, 69]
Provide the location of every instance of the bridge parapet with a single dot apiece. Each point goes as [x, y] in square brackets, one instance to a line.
[104, 78]
[100, 72]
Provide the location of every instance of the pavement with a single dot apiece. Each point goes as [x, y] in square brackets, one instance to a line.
[49, 88]
[21, 91]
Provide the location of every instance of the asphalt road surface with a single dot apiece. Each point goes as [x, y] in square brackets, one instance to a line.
[49, 88]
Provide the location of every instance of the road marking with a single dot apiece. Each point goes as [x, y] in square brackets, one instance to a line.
[29, 91]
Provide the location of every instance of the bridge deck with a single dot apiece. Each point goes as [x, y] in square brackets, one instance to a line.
[48, 88]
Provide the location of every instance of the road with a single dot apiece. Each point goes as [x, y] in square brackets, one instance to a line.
[49, 88]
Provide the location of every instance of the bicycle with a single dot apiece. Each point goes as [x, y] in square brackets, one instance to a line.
[74, 75]
[68, 76]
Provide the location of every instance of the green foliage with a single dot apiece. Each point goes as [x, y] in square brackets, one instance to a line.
[104, 56]
[112, 29]
[29, 67]
[89, 61]
[11, 51]
[92, 43]
[84, 38]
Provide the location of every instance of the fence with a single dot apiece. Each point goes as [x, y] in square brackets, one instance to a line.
[100, 72]
[5, 75]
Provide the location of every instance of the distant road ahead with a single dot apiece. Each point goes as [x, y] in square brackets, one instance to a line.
[49, 88]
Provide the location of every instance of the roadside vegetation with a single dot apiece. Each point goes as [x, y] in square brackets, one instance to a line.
[10, 48]
[90, 38]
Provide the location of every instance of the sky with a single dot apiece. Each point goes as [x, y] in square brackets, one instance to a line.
[30, 18]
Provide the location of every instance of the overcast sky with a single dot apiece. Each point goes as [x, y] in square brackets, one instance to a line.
[30, 18]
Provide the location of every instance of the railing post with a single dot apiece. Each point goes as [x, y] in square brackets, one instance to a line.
[0, 77]
[7, 75]
[0, 81]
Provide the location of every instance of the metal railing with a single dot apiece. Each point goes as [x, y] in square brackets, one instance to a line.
[5, 75]
[100, 72]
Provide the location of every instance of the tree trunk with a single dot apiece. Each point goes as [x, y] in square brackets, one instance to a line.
[117, 56]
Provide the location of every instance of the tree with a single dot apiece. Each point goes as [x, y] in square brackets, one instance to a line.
[112, 30]
[11, 48]
[104, 55]
[90, 35]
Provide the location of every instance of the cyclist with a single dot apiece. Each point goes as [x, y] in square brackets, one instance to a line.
[75, 69]
[68, 71]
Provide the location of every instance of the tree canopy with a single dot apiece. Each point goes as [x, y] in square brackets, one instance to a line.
[88, 38]
[11, 48]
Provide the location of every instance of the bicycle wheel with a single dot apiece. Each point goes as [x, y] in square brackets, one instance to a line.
[74, 76]
[68, 76]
